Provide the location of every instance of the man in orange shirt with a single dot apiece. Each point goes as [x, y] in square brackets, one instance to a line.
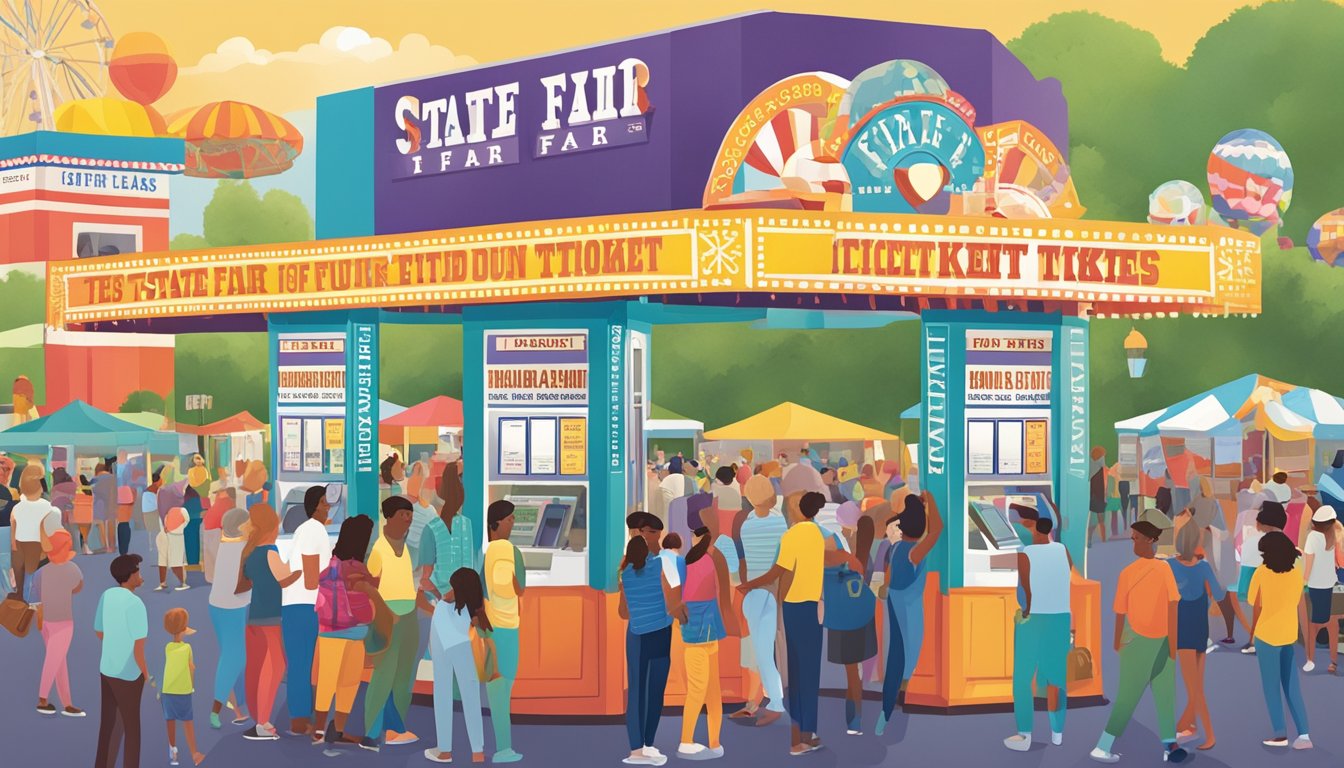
[1146, 597]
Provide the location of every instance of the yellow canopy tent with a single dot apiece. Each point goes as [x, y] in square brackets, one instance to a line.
[790, 421]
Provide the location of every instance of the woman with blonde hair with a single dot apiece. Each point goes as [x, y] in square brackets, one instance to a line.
[265, 573]
[29, 517]
[1197, 582]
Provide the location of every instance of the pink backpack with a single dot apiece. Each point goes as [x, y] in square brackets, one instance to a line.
[337, 607]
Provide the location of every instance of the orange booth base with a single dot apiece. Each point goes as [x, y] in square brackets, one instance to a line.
[967, 656]
[572, 651]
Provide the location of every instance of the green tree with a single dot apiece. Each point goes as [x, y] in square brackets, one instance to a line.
[1118, 89]
[143, 401]
[22, 299]
[417, 362]
[231, 367]
[188, 242]
[237, 215]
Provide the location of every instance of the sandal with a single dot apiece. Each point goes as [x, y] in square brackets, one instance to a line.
[1333, 668]
[742, 714]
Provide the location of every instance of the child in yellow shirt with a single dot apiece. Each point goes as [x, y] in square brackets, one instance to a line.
[179, 670]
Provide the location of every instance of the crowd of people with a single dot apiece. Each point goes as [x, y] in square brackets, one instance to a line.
[316, 616]
[1277, 548]
[755, 530]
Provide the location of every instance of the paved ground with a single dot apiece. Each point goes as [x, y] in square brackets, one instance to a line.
[31, 739]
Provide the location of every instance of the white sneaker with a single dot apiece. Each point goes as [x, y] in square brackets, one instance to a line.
[1302, 742]
[653, 752]
[1309, 666]
[641, 759]
[1102, 756]
[181, 587]
[1018, 743]
[1057, 739]
[1248, 649]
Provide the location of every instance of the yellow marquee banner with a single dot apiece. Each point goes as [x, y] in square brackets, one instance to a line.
[1117, 268]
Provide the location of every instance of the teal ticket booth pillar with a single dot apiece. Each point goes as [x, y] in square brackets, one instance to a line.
[549, 393]
[324, 407]
[1004, 422]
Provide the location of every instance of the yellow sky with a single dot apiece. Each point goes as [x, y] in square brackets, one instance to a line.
[498, 29]
[459, 31]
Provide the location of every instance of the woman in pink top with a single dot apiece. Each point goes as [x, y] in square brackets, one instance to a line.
[709, 618]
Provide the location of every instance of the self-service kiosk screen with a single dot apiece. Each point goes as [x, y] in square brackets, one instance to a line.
[993, 524]
[552, 525]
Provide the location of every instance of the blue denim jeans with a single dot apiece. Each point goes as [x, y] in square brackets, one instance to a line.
[230, 631]
[760, 607]
[298, 628]
[455, 667]
[1278, 672]
[648, 657]
[802, 637]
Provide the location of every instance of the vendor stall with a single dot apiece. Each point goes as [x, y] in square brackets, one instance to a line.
[435, 425]
[231, 443]
[696, 176]
[788, 428]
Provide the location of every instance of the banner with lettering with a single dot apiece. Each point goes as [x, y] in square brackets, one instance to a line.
[1116, 268]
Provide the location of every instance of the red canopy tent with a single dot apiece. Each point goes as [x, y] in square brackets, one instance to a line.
[422, 423]
[243, 421]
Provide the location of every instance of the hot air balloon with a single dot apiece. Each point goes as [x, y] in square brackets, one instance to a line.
[1325, 241]
[1177, 202]
[1250, 180]
[141, 67]
[109, 116]
[880, 84]
[233, 140]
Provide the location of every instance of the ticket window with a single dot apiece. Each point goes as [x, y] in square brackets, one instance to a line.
[1007, 463]
[550, 529]
[995, 535]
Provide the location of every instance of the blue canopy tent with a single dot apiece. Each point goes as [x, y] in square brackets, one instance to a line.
[87, 429]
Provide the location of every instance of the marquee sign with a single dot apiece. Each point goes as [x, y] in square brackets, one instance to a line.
[1117, 268]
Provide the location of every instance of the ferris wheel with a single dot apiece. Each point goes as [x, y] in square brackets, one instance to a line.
[51, 52]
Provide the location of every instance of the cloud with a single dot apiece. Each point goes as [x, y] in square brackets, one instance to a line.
[284, 81]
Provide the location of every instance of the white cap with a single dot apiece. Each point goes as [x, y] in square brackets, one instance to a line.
[1324, 514]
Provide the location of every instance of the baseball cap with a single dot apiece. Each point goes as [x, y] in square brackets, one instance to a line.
[1147, 529]
[334, 491]
[1024, 511]
[1324, 514]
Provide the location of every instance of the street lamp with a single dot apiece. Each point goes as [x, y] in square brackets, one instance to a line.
[1136, 349]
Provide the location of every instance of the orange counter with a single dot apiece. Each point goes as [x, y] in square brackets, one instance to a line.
[572, 648]
[967, 656]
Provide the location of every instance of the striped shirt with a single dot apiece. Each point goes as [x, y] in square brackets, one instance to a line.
[447, 550]
[644, 598]
[760, 541]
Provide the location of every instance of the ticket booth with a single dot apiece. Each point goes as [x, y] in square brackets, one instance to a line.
[561, 207]
[1004, 420]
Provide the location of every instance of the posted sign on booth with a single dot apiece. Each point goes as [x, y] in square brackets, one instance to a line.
[536, 369]
[311, 369]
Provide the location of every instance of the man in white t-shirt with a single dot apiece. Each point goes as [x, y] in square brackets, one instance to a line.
[309, 552]
[27, 520]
